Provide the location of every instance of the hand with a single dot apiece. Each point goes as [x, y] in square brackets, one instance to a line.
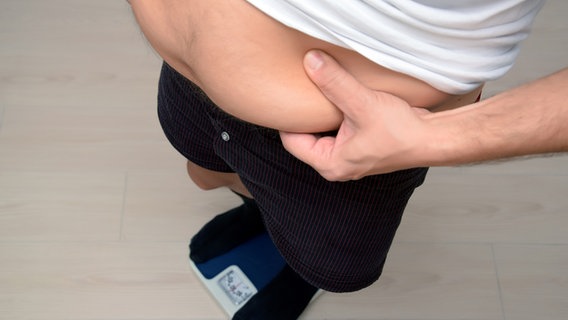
[380, 133]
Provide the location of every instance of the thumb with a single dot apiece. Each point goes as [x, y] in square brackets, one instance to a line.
[336, 83]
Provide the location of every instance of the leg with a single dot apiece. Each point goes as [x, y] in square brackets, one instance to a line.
[185, 115]
[336, 235]
[208, 179]
[182, 111]
[288, 294]
[229, 229]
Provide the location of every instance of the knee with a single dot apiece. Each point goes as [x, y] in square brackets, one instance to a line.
[205, 179]
[335, 268]
[203, 184]
[342, 278]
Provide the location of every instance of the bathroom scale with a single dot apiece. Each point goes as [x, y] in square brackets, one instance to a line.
[236, 276]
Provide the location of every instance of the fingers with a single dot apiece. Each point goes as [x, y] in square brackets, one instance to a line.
[299, 145]
[319, 153]
[312, 149]
[338, 85]
[304, 146]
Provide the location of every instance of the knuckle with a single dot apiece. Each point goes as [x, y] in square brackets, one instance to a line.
[336, 174]
[332, 79]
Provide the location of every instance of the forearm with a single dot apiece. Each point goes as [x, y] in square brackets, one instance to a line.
[382, 133]
[531, 119]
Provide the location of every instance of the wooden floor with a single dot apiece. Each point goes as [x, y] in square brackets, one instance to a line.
[96, 210]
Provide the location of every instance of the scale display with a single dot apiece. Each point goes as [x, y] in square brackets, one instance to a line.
[235, 287]
[235, 277]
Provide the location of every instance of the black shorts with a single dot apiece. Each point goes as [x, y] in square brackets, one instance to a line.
[336, 235]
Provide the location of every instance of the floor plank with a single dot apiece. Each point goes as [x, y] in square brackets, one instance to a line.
[96, 208]
[73, 139]
[423, 281]
[533, 280]
[100, 281]
[489, 208]
[168, 207]
[60, 206]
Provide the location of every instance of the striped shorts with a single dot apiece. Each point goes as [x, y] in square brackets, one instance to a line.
[336, 235]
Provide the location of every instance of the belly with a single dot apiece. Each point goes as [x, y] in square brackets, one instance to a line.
[251, 65]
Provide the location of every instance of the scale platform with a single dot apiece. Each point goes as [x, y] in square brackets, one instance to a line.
[236, 276]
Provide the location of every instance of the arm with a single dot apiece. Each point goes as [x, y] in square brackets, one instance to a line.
[530, 119]
[381, 133]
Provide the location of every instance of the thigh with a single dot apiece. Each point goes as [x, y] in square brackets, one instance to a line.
[182, 111]
[334, 234]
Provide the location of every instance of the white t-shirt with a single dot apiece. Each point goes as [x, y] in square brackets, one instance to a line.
[453, 45]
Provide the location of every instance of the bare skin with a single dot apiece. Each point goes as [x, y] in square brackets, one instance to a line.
[530, 119]
[251, 66]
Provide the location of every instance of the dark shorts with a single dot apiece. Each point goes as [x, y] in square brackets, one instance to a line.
[336, 235]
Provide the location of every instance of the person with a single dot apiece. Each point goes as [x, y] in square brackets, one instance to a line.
[232, 79]
[381, 133]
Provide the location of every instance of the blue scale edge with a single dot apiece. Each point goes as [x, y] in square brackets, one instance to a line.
[258, 258]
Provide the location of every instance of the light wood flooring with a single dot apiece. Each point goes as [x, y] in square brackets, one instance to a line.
[96, 210]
